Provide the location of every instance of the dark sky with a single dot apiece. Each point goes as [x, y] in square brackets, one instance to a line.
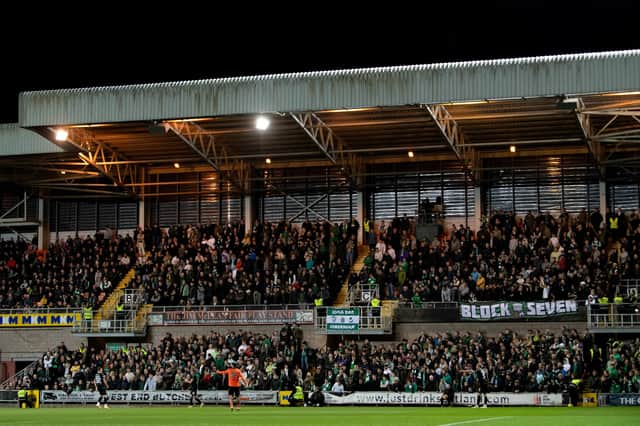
[120, 47]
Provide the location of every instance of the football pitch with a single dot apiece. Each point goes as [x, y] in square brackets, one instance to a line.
[337, 416]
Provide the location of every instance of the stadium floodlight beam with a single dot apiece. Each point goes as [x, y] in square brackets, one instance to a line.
[61, 135]
[262, 123]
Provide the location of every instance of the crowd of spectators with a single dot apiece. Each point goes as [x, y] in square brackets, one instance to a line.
[73, 272]
[231, 265]
[538, 361]
[509, 258]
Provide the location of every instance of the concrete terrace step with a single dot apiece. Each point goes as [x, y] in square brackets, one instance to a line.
[341, 298]
[109, 306]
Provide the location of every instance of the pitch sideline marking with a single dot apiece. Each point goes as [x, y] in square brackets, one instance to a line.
[475, 421]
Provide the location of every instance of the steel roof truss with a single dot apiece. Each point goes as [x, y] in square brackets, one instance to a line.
[329, 143]
[454, 136]
[205, 145]
[595, 148]
[108, 162]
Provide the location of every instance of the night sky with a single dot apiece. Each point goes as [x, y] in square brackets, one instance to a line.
[120, 47]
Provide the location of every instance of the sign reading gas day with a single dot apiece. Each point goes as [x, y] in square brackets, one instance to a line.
[343, 319]
[516, 310]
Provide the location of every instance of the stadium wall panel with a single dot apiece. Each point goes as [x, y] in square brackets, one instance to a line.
[25, 344]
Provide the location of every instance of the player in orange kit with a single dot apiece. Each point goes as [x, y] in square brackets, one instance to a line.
[236, 378]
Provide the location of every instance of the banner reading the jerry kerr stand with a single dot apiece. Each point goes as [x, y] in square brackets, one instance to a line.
[516, 310]
[276, 316]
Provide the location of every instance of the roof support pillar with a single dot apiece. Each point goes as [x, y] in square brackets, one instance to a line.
[43, 225]
[603, 198]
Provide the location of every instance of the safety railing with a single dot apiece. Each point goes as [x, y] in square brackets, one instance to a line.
[610, 316]
[196, 308]
[36, 311]
[124, 322]
[428, 305]
[130, 302]
[370, 320]
[630, 287]
[10, 383]
[363, 293]
[451, 305]
[133, 298]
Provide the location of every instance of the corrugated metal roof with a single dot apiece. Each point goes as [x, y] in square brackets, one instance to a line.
[17, 141]
[388, 86]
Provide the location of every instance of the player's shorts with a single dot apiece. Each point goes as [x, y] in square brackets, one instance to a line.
[102, 390]
[234, 391]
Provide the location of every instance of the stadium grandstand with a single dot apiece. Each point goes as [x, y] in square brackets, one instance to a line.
[461, 234]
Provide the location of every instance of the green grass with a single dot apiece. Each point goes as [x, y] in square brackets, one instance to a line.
[333, 416]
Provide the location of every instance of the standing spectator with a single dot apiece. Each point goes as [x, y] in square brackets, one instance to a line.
[140, 243]
[338, 387]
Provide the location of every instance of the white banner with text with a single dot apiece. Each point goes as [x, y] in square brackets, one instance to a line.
[155, 397]
[516, 310]
[433, 398]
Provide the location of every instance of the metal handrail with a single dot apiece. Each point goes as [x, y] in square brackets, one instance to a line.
[19, 375]
[366, 323]
[612, 315]
[357, 290]
[628, 286]
[196, 308]
[133, 297]
[450, 305]
[429, 305]
[370, 318]
[14, 311]
[127, 325]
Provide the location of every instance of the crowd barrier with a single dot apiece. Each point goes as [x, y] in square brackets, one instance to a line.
[619, 399]
[154, 397]
[381, 398]
[274, 397]
[433, 398]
